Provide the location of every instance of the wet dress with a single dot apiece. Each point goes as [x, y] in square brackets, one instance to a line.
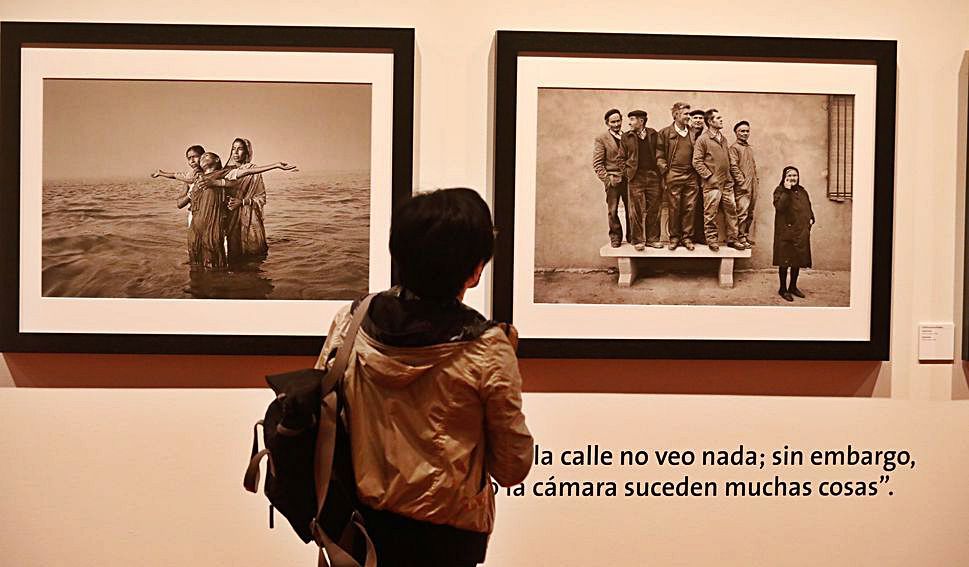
[206, 233]
[245, 231]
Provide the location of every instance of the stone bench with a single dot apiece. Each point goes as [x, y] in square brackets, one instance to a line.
[629, 256]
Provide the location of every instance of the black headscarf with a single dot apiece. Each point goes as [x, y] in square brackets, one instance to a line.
[784, 174]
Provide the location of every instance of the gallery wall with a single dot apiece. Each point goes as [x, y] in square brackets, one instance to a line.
[125, 475]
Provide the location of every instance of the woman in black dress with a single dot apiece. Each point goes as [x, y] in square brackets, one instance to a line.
[793, 218]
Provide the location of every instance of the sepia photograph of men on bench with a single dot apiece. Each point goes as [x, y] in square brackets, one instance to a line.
[642, 182]
[609, 162]
[725, 165]
[696, 126]
[743, 168]
[711, 160]
[674, 159]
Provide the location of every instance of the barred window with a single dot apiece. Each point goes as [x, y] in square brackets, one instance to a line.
[841, 127]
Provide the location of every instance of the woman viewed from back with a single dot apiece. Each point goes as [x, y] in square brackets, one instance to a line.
[433, 392]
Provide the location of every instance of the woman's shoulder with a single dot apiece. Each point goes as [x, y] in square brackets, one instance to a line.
[498, 338]
[341, 321]
[344, 312]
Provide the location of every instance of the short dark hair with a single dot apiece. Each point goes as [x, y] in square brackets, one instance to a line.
[708, 115]
[640, 113]
[437, 239]
[741, 123]
[696, 112]
[197, 148]
[610, 112]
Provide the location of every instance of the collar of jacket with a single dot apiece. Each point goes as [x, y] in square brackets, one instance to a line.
[398, 317]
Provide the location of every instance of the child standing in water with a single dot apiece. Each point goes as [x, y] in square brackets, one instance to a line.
[206, 233]
[192, 155]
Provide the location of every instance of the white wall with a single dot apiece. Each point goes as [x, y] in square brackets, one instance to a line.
[152, 477]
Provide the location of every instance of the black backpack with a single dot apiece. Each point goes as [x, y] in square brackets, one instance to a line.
[310, 472]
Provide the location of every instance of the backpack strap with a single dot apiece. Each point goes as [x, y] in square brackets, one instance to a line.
[339, 367]
[326, 445]
[251, 479]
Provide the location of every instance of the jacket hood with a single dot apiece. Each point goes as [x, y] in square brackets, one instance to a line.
[403, 337]
[396, 367]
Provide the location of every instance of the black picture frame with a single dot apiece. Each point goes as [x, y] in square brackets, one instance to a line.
[510, 45]
[18, 35]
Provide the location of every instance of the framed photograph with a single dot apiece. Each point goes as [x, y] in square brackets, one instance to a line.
[662, 196]
[197, 189]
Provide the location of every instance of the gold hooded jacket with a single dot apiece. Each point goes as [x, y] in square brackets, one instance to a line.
[429, 425]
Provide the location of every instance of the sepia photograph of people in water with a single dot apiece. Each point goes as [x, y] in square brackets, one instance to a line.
[206, 189]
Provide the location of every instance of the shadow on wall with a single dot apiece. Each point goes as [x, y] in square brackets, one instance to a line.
[786, 129]
[42, 370]
[717, 377]
[960, 381]
[768, 378]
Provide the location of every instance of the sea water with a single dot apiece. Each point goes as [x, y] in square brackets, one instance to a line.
[119, 238]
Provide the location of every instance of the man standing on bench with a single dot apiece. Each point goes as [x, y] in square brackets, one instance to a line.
[642, 178]
[609, 162]
[711, 159]
[743, 168]
[674, 158]
[696, 126]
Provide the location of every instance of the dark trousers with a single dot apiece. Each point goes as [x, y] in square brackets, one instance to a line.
[681, 200]
[416, 560]
[405, 542]
[614, 194]
[698, 235]
[644, 209]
